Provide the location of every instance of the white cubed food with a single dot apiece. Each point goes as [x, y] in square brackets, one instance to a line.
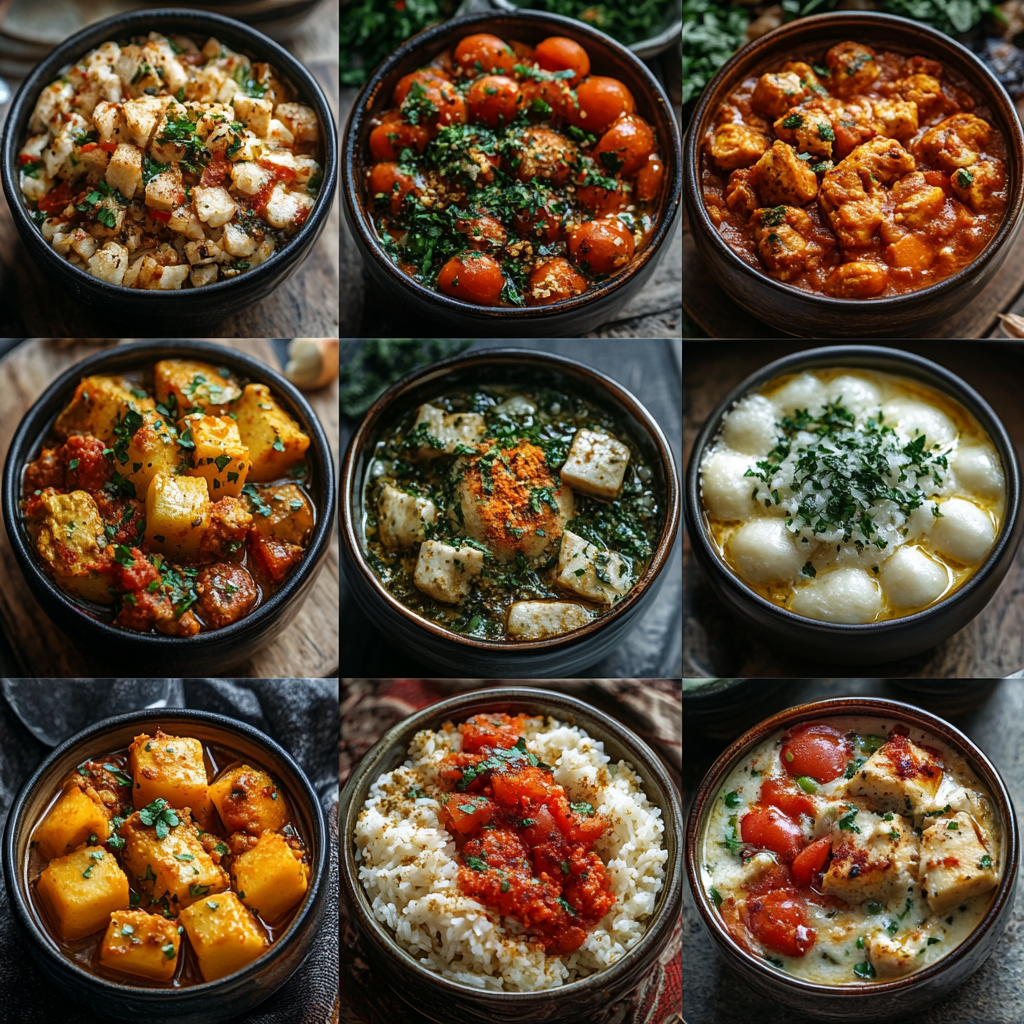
[910, 579]
[248, 177]
[535, 620]
[596, 464]
[764, 551]
[110, 263]
[914, 418]
[978, 470]
[236, 241]
[955, 864]
[165, 191]
[450, 429]
[124, 172]
[283, 207]
[254, 113]
[750, 426]
[889, 957]
[963, 532]
[300, 120]
[400, 517]
[579, 565]
[214, 206]
[843, 595]
[446, 573]
[899, 776]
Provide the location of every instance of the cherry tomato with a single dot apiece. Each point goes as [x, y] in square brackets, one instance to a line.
[790, 800]
[556, 53]
[811, 859]
[552, 281]
[386, 179]
[774, 876]
[625, 147]
[543, 224]
[425, 76]
[817, 750]
[770, 829]
[601, 246]
[430, 100]
[483, 233]
[605, 200]
[779, 920]
[484, 54]
[543, 153]
[494, 100]
[647, 182]
[388, 139]
[549, 98]
[473, 277]
[601, 101]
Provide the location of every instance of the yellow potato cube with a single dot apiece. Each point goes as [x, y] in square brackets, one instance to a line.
[153, 449]
[145, 945]
[224, 934]
[275, 441]
[193, 385]
[171, 767]
[75, 819]
[290, 515]
[219, 456]
[269, 878]
[99, 406]
[177, 515]
[70, 538]
[82, 890]
[248, 800]
[175, 868]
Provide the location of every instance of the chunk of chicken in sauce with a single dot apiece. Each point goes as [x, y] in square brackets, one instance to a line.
[782, 178]
[784, 240]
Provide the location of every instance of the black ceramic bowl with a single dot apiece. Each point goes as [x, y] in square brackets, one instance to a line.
[872, 642]
[574, 316]
[469, 656]
[189, 307]
[902, 997]
[206, 653]
[808, 314]
[445, 1000]
[211, 1002]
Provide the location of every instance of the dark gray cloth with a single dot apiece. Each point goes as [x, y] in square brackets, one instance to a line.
[301, 715]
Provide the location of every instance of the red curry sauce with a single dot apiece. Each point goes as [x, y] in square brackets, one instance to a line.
[524, 848]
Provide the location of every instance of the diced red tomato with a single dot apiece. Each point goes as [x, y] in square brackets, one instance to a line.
[465, 814]
[88, 147]
[523, 788]
[811, 859]
[216, 172]
[56, 199]
[161, 215]
[24, 158]
[782, 793]
[779, 921]
[770, 829]
[775, 876]
[817, 750]
[498, 730]
[581, 828]
[108, 147]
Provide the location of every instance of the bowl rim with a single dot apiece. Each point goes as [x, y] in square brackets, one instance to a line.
[645, 761]
[75, 47]
[354, 162]
[317, 889]
[830, 304]
[838, 707]
[638, 416]
[154, 348]
[838, 355]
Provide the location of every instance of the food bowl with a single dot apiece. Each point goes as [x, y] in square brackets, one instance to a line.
[808, 314]
[883, 999]
[206, 653]
[209, 1002]
[445, 1000]
[465, 655]
[573, 316]
[871, 642]
[190, 307]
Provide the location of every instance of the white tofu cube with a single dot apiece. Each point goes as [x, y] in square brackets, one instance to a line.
[283, 207]
[165, 191]
[300, 120]
[205, 273]
[898, 776]
[109, 121]
[955, 864]
[401, 517]
[248, 177]
[450, 429]
[141, 116]
[83, 243]
[172, 278]
[586, 570]
[534, 620]
[278, 134]
[185, 222]
[124, 172]
[110, 263]
[253, 113]
[446, 573]
[236, 241]
[213, 205]
[596, 464]
[889, 957]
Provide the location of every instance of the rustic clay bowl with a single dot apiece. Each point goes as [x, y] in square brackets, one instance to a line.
[808, 314]
[858, 1002]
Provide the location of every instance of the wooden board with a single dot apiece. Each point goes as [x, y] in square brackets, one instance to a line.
[715, 644]
[306, 304]
[309, 647]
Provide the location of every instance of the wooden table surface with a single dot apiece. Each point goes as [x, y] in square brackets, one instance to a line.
[714, 644]
[309, 647]
[305, 304]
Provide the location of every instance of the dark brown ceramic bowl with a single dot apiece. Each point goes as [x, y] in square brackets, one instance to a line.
[469, 656]
[446, 1001]
[574, 316]
[808, 314]
[858, 1002]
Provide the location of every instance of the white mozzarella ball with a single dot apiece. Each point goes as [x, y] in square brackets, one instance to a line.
[804, 391]
[843, 595]
[910, 579]
[764, 551]
[855, 394]
[727, 493]
[750, 426]
[914, 418]
[920, 521]
[963, 531]
[978, 470]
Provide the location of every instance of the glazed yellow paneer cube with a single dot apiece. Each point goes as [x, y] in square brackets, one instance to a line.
[71, 540]
[290, 516]
[193, 385]
[176, 867]
[142, 944]
[171, 767]
[269, 878]
[275, 441]
[75, 819]
[248, 800]
[99, 405]
[219, 456]
[177, 515]
[224, 934]
[82, 890]
[153, 449]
